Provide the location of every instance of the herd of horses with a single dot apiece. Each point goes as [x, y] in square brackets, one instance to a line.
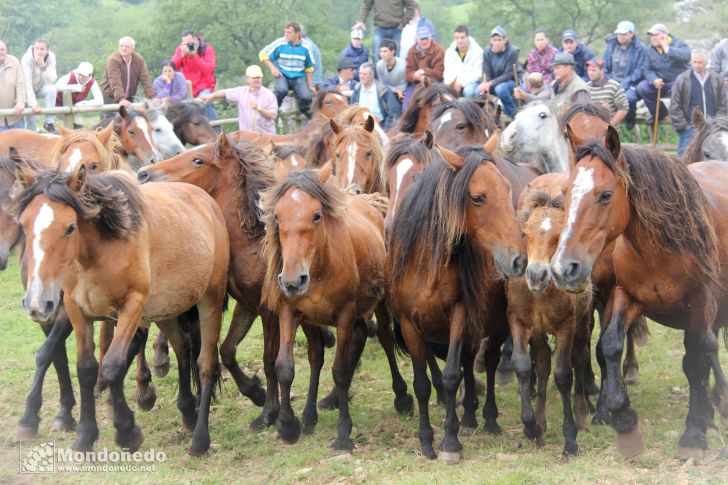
[446, 238]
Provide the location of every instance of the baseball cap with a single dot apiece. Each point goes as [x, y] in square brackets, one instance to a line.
[499, 31]
[423, 32]
[624, 27]
[561, 58]
[357, 34]
[569, 34]
[85, 68]
[596, 63]
[346, 63]
[657, 29]
[254, 71]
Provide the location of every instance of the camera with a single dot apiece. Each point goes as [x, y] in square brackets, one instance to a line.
[191, 46]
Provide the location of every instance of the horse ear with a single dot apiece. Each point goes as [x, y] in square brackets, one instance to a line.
[64, 131]
[612, 142]
[78, 179]
[492, 144]
[369, 123]
[335, 127]
[451, 158]
[497, 112]
[24, 176]
[281, 172]
[698, 118]
[429, 139]
[324, 172]
[223, 145]
[104, 135]
[123, 112]
[573, 143]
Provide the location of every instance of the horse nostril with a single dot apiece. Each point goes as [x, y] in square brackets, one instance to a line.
[48, 307]
[143, 176]
[572, 270]
[303, 279]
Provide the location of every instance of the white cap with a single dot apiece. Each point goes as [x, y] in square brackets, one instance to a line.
[85, 68]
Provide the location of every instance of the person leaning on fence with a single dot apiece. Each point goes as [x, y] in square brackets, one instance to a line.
[80, 82]
[718, 63]
[39, 71]
[257, 105]
[463, 63]
[581, 53]
[607, 92]
[625, 61]
[380, 101]
[498, 65]
[667, 57]
[125, 71]
[391, 69]
[696, 88]
[389, 18]
[356, 52]
[291, 64]
[541, 56]
[344, 80]
[196, 60]
[170, 85]
[567, 87]
[534, 89]
[12, 89]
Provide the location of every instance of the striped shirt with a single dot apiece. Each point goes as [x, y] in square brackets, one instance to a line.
[292, 60]
[609, 92]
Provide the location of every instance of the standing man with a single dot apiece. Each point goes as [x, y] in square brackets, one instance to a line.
[607, 92]
[292, 67]
[625, 61]
[498, 62]
[425, 59]
[39, 71]
[81, 83]
[356, 52]
[125, 70]
[380, 101]
[257, 105]
[667, 57]
[12, 89]
[696, 88]
[389, 18]
[463, 63]
[409, 31]
[718, 62]
[392, 69]
[567, 87]
[195, 59]
[580, 52]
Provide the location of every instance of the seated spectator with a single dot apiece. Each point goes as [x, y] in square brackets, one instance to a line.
[567, 87]
[292, 65]
[625, 61]
[356, 52]
[409, 31]
[39, 71]
[463, 63]
[170, 85]
[667, 57]
[257, 105]
[196, 60]
[344, 80]
[12, 89]
[425, 59]
[391, 70]
[580, 52]
[607, 92]
[718, 62]
[380, 101]
[498, 65]
[80, 82]
[125, 70]
[534, 89]
[541, 56]
[696, 88]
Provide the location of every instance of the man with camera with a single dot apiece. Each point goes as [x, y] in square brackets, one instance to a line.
[195, 59]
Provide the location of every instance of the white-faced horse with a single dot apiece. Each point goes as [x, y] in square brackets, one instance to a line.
[535, 137]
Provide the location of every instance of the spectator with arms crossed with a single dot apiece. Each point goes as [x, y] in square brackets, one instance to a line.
[39, 71]
[606, 92]
[380, 101]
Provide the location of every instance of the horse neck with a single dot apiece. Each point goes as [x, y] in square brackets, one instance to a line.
[555, 156]
[423, 119]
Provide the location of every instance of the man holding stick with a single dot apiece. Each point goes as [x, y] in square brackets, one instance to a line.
[500, 68]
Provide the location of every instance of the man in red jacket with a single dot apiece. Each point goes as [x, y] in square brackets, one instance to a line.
[195, 59]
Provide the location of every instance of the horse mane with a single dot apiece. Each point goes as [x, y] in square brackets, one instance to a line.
[183, 111]
[590, 109]
[315, 151]
[670, 205]
[473, 113]
[333, 202]
[112, 200]
[318, 100]
[282, 151]
[361, 136]
[423, 96]
[710, 127]
[346, 117]
[539, 198]
[109, 157]
[408, 144]
[428, 233]
[8, 165]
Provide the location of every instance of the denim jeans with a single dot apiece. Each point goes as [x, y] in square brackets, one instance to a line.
[685, 136]
[471, 90]
[504, 91]
[298, 86]
[632, 97]
[19, 124]
[209, 109]
[380, 33]
[48, 93]
[648, 92]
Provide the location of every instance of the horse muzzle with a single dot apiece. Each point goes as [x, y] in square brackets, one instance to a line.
[146, 174]
[571, 275]
[537, 277]
[41, 309]
[296, 286]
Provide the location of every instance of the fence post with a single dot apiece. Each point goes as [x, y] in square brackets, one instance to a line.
[68, 117]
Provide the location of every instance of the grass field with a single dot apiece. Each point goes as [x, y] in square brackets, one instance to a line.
[387, 449]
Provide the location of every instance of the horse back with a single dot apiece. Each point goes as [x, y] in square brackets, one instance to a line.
[712, 176]
[29, 144]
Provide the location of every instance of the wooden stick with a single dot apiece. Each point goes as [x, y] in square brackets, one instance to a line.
[657, 118]
[487, 96]
[515, 79]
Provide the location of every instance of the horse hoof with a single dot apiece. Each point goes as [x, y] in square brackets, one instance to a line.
[25, 433]
[429, 453]
[189, 420]
[146, 398]
[343, 445]
[504, 376]
[492, 427]
[258, 397]
[329, 403]
[289, 429]
[161, 370]
[466, 430]
[686, 453]
[308, 428]
[131, 440]
[404, 404]
[449, 457]
[63, 424]
[570, 450]
[630, 444]
[199, 446]
[532, 431]
[632, 378]
[265, 420]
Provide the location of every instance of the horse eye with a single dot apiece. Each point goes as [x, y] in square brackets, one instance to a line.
[460, 127]
[369, 154]
[478, 199]
[198, 162]
[131, 132]
[605, 197]
[317, 217]
[543, 116]
[707, 156]
[157, 130]
[196, 123]
[70, 229]
[93, 166]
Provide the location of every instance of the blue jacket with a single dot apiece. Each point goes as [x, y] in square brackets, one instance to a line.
[388, 104]
[358, 57]
[581, 55]
[669, 65]
[636, 64]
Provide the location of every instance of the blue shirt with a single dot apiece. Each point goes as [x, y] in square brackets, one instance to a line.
[294, 61]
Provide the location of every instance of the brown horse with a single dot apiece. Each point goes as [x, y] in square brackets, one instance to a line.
[417, 117]
[454, 234]
[135, 134]
[670, 231]
[325, 265]
[458, 123]
[190, 123]
[710, 141]
[112, 250]
[536, 308]
[358, 163]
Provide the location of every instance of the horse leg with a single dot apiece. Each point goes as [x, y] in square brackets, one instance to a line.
[436, 375]
[106, 335]
[287, 424]
[564, 378]
[602, 414]
[450, 446]
[521, 359]
[315, 362]
[630, 368]
[64, 420]
[240, 324]
[505, 366]
[469, 423]
[146, 394]
[182, 347]
[492, 357]
[160, 361]
[269, 414]
[542, 360]
[403, 402]
[589, 379]
[580, 359]
[719, 393]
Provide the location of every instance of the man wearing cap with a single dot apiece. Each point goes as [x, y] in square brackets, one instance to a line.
[39, 71]
[579, 51]
[356, 51]
[80, 82]
[409, 31]
[667, 57]
[498, 62]
[12, 89]
[344, 80]
[392, 69]
[425, 59]
[696, 88]
[718, 62]
[625, 61]
[567, 87]
[389, 18]
[380, 101]
[607, 92]
[463, 63]
[257, 105]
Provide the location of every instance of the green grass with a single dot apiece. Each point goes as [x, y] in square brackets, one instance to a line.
[387, 448]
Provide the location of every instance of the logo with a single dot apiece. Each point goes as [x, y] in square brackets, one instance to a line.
[37, 457]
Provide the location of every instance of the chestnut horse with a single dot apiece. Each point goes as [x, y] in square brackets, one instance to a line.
[358, 163]
[710, 141]
[190, 123]
[455, 232]
[135, 133]
[113, 250]
[671, 245]
[417, 117]
[458, 123]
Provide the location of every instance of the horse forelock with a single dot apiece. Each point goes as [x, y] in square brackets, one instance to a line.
[408, 144]
[363, 137]
[539, 199]
[109, 157]
[589, 109]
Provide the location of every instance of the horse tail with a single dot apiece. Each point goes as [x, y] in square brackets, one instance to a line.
[328, 338]
[189, 324]
[399, 344]
[640, 331]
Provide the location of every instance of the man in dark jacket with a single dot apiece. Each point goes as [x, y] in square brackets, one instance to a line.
[580, 52]
[356, 51]
[696, 88]
[344, 80]
[625, 61]
[498, 62]
[667, 57]
[380, 101]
